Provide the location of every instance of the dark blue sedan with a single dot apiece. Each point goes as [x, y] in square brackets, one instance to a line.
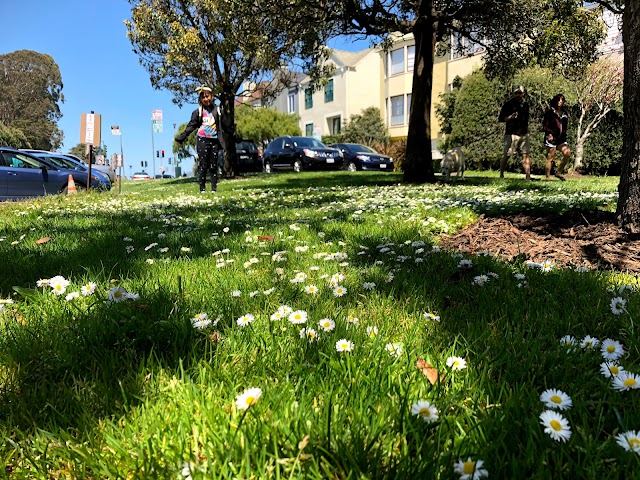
[23, 176]
[361, 157]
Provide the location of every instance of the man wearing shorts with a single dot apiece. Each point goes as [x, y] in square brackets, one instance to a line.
[515, 114]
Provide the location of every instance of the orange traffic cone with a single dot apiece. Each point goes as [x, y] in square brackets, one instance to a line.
[71, 186]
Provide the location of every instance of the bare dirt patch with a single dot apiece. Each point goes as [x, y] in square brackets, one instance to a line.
[570, 239]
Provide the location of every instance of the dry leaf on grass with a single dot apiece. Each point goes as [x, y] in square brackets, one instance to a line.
[42, 240]
[429, 371]
[262, 238]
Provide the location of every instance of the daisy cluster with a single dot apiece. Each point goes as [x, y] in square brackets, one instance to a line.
[59, 285]
[611, 351]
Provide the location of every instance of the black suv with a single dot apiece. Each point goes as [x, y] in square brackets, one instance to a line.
[300, 153]
[248, 158]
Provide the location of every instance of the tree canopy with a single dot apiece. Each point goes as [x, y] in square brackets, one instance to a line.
[262, 125]
[30, 93]
[515, 33]
[232, 46]
[366, 127]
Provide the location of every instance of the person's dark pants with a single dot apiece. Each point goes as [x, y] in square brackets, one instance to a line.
[207, 150]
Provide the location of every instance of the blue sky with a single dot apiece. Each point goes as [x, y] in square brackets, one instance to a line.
[100, 73]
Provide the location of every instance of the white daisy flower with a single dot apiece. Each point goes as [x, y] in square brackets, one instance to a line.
[434, 317]
[248, 398]
[72, 296]
[88, 289]
[589, 342]
[298, 317]
[59, 284]
[470, 470]
[311, 289]
[618, 305]
[456, 363]
[327, 324]
[344, 345]
[611, 350]
[309, 333]
[368, 285]
[117, 295]
[568, 341]
[245, 320]
[465, 263]
[555, 425]
[626, 381]
[235, 293]
[394, 349]
[609, 370]
[629, 440]
[372, 332]
[339, 291]
[556, 399]
[425, 410]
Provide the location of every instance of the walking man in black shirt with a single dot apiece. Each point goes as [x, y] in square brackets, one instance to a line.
[515, 114]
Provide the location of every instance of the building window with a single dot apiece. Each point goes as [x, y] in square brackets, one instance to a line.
[308, 98]
[411, 57]
[397, 61]
[328, 91]
[292, 101]
[464, 47]
[308, 129]
[336, 124]
[397, 110]
[408, 107]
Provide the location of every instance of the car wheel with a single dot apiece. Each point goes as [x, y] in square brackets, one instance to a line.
[297, 166]
[267, 167]
[351, 167]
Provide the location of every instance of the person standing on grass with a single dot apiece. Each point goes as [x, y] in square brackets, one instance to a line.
[515, 114]
[554, 125]
[205, 119]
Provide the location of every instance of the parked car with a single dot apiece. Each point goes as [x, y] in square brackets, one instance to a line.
[106, 169]
[65, 162]
[249, 158]
[164, 175]
[141, 176]
[300, 153]
[23, 175]
[361, 157]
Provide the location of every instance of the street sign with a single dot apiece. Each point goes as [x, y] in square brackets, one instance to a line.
[115, 130]
[100, 160]
[118, 160]
[156, 115]
[90, 129]
[157, 126]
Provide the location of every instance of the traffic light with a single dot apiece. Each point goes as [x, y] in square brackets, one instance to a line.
[157, 153]
[142, 164]
[146, 164]
[169, 160]
[162, 153]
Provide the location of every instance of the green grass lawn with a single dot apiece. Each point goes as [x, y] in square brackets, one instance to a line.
[309, 326]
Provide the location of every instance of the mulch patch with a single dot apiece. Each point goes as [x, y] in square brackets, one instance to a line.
[589, 238]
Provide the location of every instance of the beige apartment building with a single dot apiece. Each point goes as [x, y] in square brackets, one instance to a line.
[370, 78]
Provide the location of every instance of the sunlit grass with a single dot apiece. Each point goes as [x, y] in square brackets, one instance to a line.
[149, 386]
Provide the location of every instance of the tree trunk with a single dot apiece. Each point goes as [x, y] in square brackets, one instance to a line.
[228, 134]
[577, 160]
[418, 164]
[628, 210]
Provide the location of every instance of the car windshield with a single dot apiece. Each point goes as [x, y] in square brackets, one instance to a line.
[248, 146]
[61, 162]
[355, 147]
[307, 142]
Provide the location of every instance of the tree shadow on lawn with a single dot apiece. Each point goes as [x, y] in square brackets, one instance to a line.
[72, 368]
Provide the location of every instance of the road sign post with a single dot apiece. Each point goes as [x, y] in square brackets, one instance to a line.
[156, 127]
